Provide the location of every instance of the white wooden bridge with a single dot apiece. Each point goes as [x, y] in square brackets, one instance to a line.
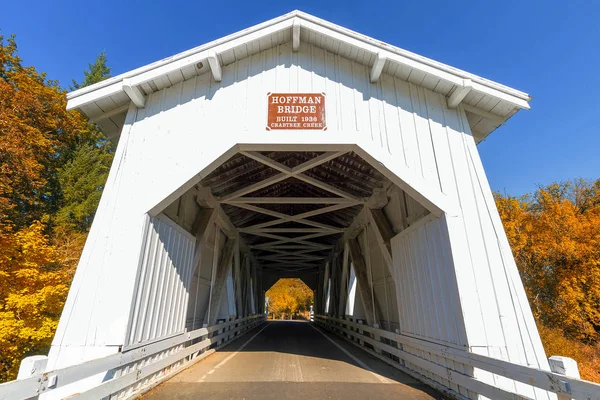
[374, 195]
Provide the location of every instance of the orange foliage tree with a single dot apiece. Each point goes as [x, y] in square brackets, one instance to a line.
[555, 237]
[37, 135]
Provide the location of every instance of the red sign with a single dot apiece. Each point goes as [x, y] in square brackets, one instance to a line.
[301, 111]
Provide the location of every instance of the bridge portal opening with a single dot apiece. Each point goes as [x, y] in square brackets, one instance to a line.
[325, 217]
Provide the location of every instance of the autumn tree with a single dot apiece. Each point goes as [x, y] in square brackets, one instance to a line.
[555, 237]
[289, 296]
[39, 140]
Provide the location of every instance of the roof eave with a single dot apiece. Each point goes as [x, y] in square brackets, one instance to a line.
[294, 19]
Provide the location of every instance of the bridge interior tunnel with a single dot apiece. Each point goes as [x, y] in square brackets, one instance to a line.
[324, 217]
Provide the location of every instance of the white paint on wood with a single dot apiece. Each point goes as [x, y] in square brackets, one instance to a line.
[296, 35]
[459, 94]
[565, 366]
[215, 66]
[134, 93]
[377, 67]
[343, 42]
[165, 269]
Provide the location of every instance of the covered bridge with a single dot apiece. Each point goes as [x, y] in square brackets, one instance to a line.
[298, 148]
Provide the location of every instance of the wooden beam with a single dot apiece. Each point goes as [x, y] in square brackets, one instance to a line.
[328, 187]
[254, 187]
[484, 114]
[377, 67]
[215, 264]
[109, 114]
[267, 161]
[301, 247]
[298, 255]
[215, 66]
[134, 93]
[290, 200]
[237, 280]
[459, 93]
[292, 230]
[296, 35]
[344, 282]
[297, 240]
[285, 218]
[313, 162]
[383, 234]
[364, 286]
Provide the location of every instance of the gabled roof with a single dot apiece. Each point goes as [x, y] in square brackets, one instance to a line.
[488, 104]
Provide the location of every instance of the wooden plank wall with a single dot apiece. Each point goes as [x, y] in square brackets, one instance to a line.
[161, 299]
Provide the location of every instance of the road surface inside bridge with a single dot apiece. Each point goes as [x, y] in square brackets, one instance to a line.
[291, 360]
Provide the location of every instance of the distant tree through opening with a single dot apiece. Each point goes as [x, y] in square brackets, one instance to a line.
[289, 298]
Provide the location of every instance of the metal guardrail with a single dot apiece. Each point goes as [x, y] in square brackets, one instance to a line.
[359, 335]
[185, 348]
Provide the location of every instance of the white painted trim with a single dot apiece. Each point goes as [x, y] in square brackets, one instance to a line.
[109, 114]
[215, 66]
[134, 93]
[393, 54]
[487, 115]
[296, 34]
[377, 67]
[459, 94]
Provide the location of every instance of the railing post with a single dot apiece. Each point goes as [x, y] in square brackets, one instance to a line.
[360, 332]
[377, 338]
[33, 365]
[565, 366]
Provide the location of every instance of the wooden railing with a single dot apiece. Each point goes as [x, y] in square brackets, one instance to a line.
[136, 370]
[370, 340]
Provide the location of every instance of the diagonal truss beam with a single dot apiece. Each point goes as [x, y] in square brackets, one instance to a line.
[286, 172]
[297, 254]
[292, 268]
[289, 200]
[298, 240]
[300, 247]
[291, 230]
[299, 218]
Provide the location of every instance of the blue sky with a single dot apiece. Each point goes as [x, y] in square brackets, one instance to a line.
[547, 48]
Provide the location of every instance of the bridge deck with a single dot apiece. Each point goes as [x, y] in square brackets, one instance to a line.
[291, 360]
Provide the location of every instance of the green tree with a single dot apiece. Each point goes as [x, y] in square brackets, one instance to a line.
[84, 172]
[97, 72]
[82, 180]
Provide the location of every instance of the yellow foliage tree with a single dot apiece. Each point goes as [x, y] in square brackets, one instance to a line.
[555, 237]
[37, 135]
[289, 296]
[33, 288]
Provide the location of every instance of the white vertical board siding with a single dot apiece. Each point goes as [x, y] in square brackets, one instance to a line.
[163, 284]
[427, 293]
[385, 118]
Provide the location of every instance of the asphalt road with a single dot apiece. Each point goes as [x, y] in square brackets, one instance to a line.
[291, 360]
